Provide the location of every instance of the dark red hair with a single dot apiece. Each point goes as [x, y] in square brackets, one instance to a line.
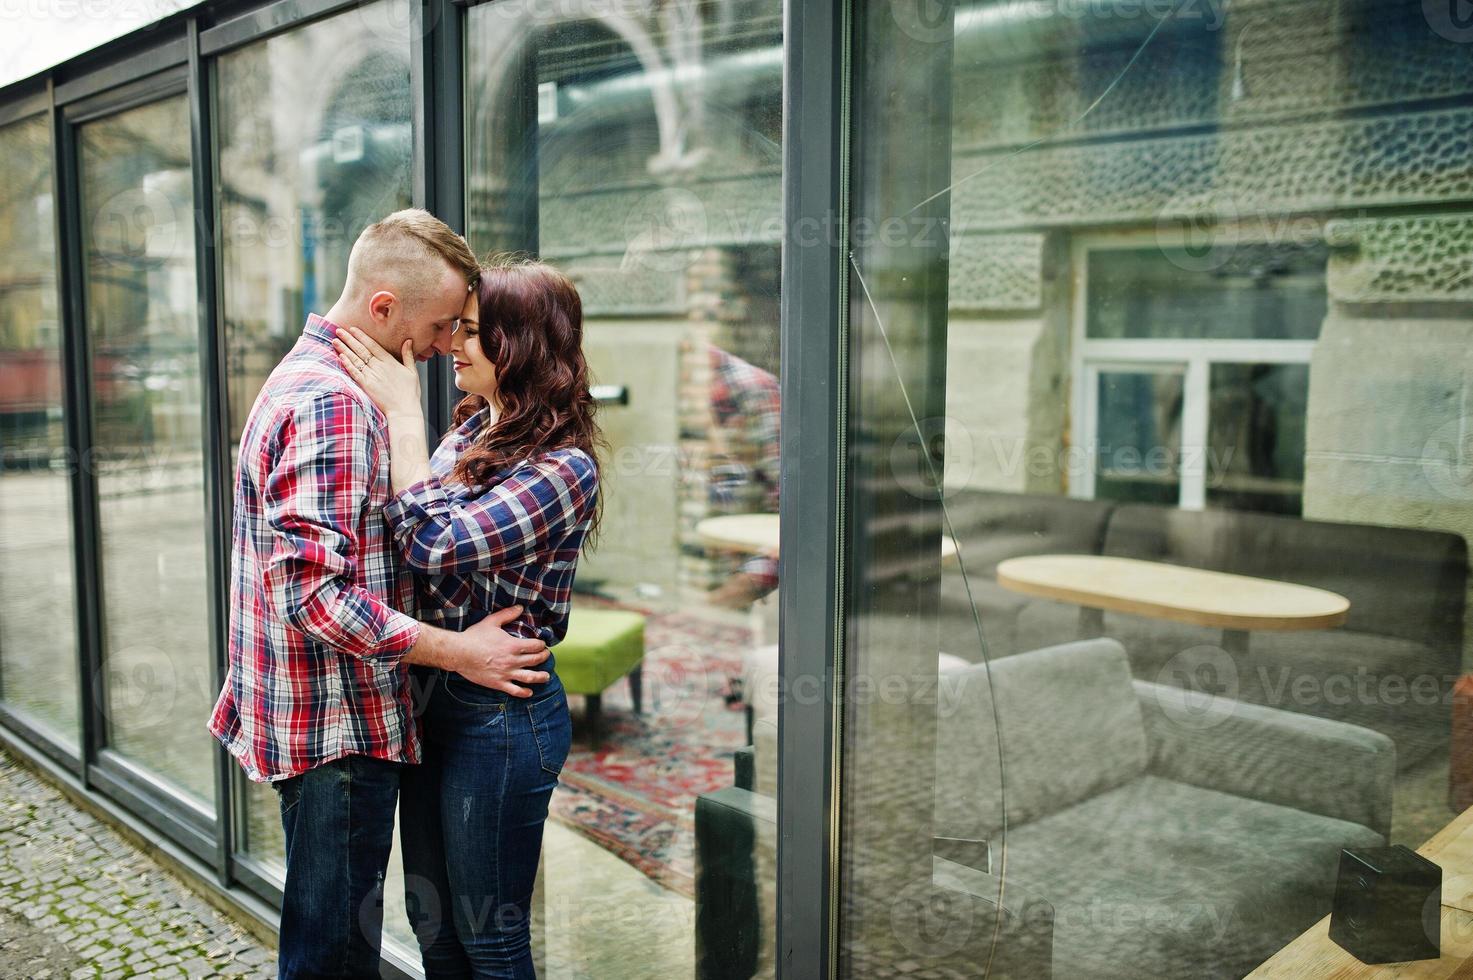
[532, 329]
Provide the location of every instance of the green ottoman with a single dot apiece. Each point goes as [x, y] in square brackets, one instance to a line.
[601, 646]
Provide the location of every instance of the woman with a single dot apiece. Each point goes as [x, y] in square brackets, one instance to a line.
[495, 519]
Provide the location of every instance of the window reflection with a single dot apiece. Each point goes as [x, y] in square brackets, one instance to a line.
[315, 143]
[139, 266]
[1230, 241]
[639, 150]
[38, 652]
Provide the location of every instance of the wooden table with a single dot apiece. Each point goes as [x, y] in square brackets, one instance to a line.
[757, 534]
[1312, 954]
[1235, 604]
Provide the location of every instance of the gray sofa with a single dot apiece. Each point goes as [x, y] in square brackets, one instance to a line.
[1136, 833]
[1172, 841]
[1390, 667]
[736, 903]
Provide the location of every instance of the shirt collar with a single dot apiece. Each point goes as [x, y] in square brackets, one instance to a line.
[320, 329]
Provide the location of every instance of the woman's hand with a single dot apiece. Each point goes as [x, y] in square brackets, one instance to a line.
[393, 385]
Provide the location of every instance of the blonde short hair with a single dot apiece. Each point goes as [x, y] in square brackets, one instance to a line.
[399, 252]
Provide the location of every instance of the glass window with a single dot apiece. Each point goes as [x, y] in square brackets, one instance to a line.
[1255, 291]
[639, 151]
[1158, 705]
[1255, 437]
[315, 143]
[142, 320]
[1138, 448]
[38, 642]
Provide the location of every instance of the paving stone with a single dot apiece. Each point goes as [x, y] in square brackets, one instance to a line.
[78, 900]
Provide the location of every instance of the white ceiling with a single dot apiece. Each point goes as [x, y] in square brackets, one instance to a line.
[37, 34]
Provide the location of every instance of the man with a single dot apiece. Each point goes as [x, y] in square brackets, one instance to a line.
[746, 406]
[316, 701]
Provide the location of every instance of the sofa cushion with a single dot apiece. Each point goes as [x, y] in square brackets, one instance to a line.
[990, 527]
[1393, 685]
[1069, 712]
[1164, 880]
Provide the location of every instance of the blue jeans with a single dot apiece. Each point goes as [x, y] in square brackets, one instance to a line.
[471, 822]
[339, 824]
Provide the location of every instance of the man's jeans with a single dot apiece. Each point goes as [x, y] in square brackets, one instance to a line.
[339, 823]
[471, 823]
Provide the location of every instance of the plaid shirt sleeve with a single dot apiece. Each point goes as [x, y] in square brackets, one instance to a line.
[315, 495]
[512, 523]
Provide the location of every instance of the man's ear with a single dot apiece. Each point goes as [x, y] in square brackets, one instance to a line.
[381, 305]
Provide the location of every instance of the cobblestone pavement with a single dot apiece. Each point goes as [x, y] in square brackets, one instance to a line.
[77, 900]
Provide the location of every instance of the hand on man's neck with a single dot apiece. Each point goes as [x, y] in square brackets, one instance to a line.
[341, 316]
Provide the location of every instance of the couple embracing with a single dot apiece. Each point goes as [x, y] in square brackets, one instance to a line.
[391, 610]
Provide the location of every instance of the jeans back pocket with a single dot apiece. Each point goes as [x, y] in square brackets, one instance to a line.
[552, 730]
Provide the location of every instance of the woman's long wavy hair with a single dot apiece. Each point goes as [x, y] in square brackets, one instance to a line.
[532, 329]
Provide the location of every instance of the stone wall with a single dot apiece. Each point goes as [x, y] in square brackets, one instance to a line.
[1390, 418]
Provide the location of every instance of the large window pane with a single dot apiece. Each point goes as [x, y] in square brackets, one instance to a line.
[38, 645]
[139, 266]
[638, 149]
[315, 143]
[1164, 702]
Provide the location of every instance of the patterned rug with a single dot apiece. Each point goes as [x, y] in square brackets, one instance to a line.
[636, 796]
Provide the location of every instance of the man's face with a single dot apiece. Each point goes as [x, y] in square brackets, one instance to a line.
[429, 326]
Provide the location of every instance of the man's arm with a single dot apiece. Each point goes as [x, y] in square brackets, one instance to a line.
[484, 654]
[314, 495]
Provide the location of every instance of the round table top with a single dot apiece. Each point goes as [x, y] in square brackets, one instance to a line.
[757, 534]
[1174, 592]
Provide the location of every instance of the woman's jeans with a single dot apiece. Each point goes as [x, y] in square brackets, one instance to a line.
[339, 825]
[471, 817]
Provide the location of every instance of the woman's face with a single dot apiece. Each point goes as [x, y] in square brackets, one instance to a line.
[474, 372]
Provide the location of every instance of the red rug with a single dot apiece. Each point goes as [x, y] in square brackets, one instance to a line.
[636, 796]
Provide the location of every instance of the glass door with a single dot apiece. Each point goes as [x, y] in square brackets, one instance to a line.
[38, 640]
[638, 149]
[153, 687]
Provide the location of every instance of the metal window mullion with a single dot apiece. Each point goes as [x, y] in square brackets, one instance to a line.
[437, 97]
[813, 314]
[1089, 428]
[214, 421]
[166, 56]
[78, 427]
[1193, 448]
[1243, 351]
[264, 22]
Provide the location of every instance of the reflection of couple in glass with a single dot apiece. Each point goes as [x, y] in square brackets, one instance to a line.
[344, 523]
